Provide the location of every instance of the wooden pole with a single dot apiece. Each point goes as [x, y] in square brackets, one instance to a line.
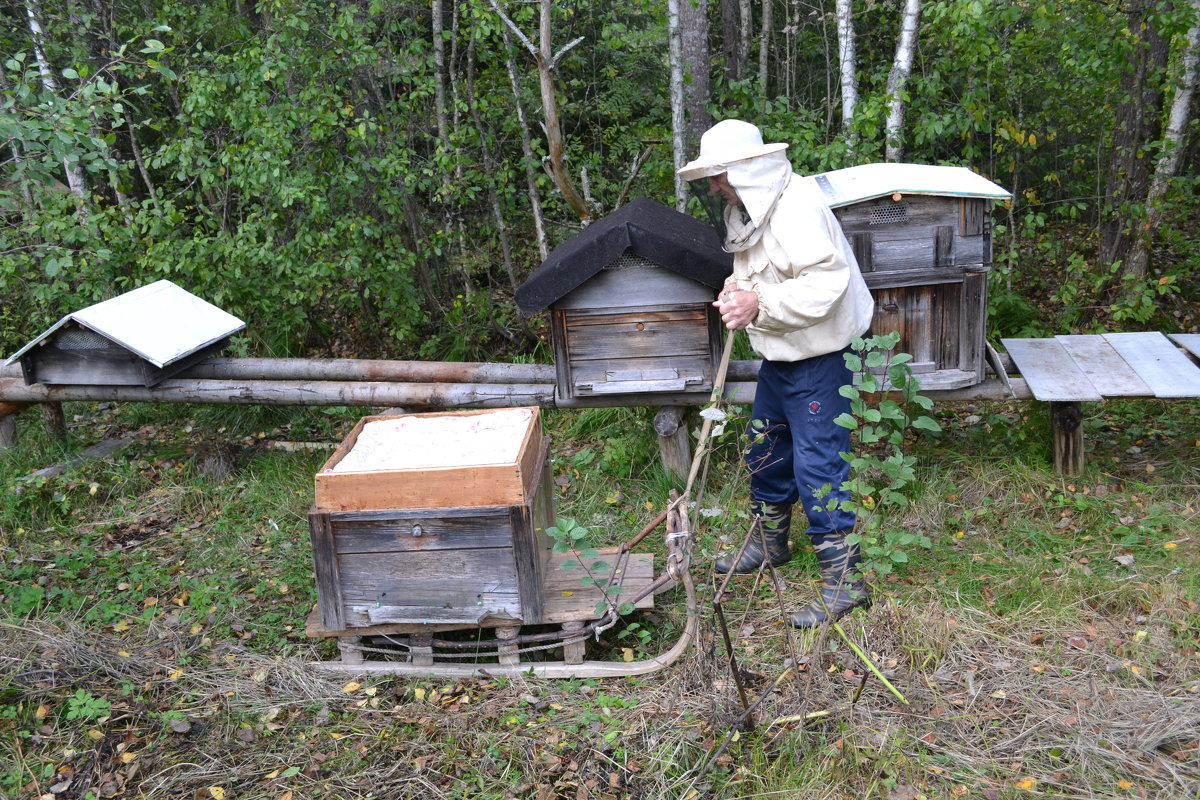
[1066, 422]
[674, 442]
[414, 395]
[352, 369]
[8, 431]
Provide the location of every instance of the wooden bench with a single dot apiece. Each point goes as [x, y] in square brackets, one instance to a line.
[1066, 371]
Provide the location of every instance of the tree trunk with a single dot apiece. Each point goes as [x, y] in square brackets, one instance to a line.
[1174, 144]
[910, 18]
[697, 91]
[675, 56]
[764, 48]
[847, 62]
[1137, 126]
[75, 177]
[439, 76]
[531, 187]
[730, 38]
[546, 62]
[745, 25]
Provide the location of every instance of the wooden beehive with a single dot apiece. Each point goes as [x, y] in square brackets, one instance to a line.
[922, 237]
[452, 544]
[139, 338]
[631, 306]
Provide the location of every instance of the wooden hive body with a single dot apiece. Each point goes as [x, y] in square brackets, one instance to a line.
[445, 545]
[635, 328]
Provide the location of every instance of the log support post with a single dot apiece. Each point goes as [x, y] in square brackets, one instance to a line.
[507, 634]
[674, 442]
[1066, 423]
[351, 649]
[573, 652]
[421, 649]
[56, 421]
[8, 422]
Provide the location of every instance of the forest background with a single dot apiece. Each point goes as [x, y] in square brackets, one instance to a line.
[376, 178]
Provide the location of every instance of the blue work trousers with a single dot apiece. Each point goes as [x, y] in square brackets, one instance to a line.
[795, 446]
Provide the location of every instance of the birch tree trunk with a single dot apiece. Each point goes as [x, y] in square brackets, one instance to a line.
[1174, 144]
[675, 56]
[75, 178]
[439, 78]
[531, 188]
[847, 62]
[910, 17]
[764, 48]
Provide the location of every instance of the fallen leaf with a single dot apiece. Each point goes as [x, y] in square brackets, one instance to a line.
[1126, 560]
[352, 686]
[1026, 783]
[217, 792]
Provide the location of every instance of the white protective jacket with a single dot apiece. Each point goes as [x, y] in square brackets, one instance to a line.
[789, 249]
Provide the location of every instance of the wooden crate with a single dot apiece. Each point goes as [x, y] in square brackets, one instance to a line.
[500, 484]
[449, 545]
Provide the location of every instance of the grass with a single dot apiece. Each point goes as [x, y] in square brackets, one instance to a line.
[153, 605]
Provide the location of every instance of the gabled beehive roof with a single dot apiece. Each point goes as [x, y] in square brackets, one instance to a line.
[160, 322]
[674, 241]
[842, 187]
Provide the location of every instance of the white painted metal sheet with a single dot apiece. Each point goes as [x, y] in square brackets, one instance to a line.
[159, 322]
[855, 184]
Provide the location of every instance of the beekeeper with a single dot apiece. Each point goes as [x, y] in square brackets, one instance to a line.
[797, 291]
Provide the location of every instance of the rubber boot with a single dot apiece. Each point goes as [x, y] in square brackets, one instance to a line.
[842, 587]
[775, 521]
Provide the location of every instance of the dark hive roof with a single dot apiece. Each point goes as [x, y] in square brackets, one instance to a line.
[674, 241]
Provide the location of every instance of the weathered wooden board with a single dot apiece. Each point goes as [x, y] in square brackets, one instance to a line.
[1188, 341]
[638, 334]
[1104, 367]
[399, 585]
[1050, 371]
[1168, 372]
[445, 529]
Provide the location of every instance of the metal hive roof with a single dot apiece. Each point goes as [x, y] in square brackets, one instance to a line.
[160, 322]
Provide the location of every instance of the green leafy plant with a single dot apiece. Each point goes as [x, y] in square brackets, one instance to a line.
[882, 474]
[83, 705]
[571, 538]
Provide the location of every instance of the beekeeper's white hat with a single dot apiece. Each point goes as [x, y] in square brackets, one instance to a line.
[725, 143]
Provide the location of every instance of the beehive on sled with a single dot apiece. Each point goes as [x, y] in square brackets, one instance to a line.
[434, 519]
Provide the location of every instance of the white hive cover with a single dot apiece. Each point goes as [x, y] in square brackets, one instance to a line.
[855, 184]
[426, 442]
[160, 322]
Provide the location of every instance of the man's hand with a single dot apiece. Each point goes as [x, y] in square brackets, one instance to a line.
[738, 307]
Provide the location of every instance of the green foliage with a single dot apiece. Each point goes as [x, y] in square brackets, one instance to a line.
[571, 538]
[882, 475]
[85, 707]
